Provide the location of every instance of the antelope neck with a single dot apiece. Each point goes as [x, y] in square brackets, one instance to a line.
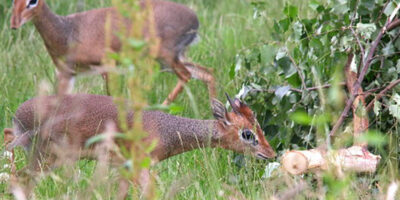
[178, 135]
[53, 28]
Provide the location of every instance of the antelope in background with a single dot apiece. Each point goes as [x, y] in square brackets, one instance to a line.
[77, 43]
[81, 116]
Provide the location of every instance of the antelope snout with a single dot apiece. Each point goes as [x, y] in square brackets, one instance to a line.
[266, 154]
[15, 22]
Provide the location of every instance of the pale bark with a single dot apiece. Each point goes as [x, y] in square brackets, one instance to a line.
[354, 159]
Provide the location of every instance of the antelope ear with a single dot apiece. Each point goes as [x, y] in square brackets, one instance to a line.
[235, 104]
[245, 110]
[219, 111]
[241, 108]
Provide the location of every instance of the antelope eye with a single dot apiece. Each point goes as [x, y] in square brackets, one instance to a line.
[247, 135]
[32, 3]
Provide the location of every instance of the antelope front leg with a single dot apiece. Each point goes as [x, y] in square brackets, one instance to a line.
[172, 96]
[183, 75]
[204, 74]
[65, 83]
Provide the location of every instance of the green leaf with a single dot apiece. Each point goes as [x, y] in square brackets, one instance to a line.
[367, 5]
[394, 110]
[281, 53]
[388, 50]
[95, 139]
[267, 54]
[301, 117]
[294, 80]
[397, 44]
[114, 56]
[157, 107]
[398, 66]
[366, 30]
[146, 162]
[126, 62]
[373, 138]
[322, 118]
[389, 8]
[152, 146]
[297, 30]
[270, 168]
[314, 4]
[136, 44]
[284, 24]
[377, 107]
[282, 91]
[286, 65]
[101, 137]
[316, 44]
[396, 98]
[346, 43]
[175, 109]
[394, 106]
[291, 11]
[340, 7]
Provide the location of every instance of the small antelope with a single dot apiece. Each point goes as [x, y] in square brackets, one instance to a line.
[78, 117]
[77, 42]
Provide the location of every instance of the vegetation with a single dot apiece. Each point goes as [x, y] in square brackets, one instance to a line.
[285, 58]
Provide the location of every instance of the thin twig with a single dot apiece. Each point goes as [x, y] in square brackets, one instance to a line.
[300, 90]
[354, 33]
[313, 88]
[380, 95]
[359, 43]
[367, 64]
[303, 83]
[381, 13]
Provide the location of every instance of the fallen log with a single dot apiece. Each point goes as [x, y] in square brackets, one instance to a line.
[354, 159]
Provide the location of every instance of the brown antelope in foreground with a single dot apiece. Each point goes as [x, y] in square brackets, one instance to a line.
[77, 42]
[81, 116]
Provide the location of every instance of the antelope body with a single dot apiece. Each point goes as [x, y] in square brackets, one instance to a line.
[78, 117]
[77, 42]
[67, 122]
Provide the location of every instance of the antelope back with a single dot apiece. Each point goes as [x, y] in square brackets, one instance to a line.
[75, 118]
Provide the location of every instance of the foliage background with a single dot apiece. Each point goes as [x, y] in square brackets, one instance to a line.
[260, 50]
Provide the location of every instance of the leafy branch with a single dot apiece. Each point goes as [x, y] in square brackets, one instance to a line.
[389, 24]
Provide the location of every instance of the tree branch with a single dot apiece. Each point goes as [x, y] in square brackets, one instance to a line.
[380, 95]
[358, 42]
[394, 24]
[367, 64]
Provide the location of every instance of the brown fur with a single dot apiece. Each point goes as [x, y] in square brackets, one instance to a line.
[77, 42]
[67, 122]
[81, 116]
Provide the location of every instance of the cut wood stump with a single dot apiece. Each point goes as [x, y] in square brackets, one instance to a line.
[354, 159]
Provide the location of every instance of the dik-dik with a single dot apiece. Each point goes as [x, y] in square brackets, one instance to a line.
[78, 117]
[77, 43]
